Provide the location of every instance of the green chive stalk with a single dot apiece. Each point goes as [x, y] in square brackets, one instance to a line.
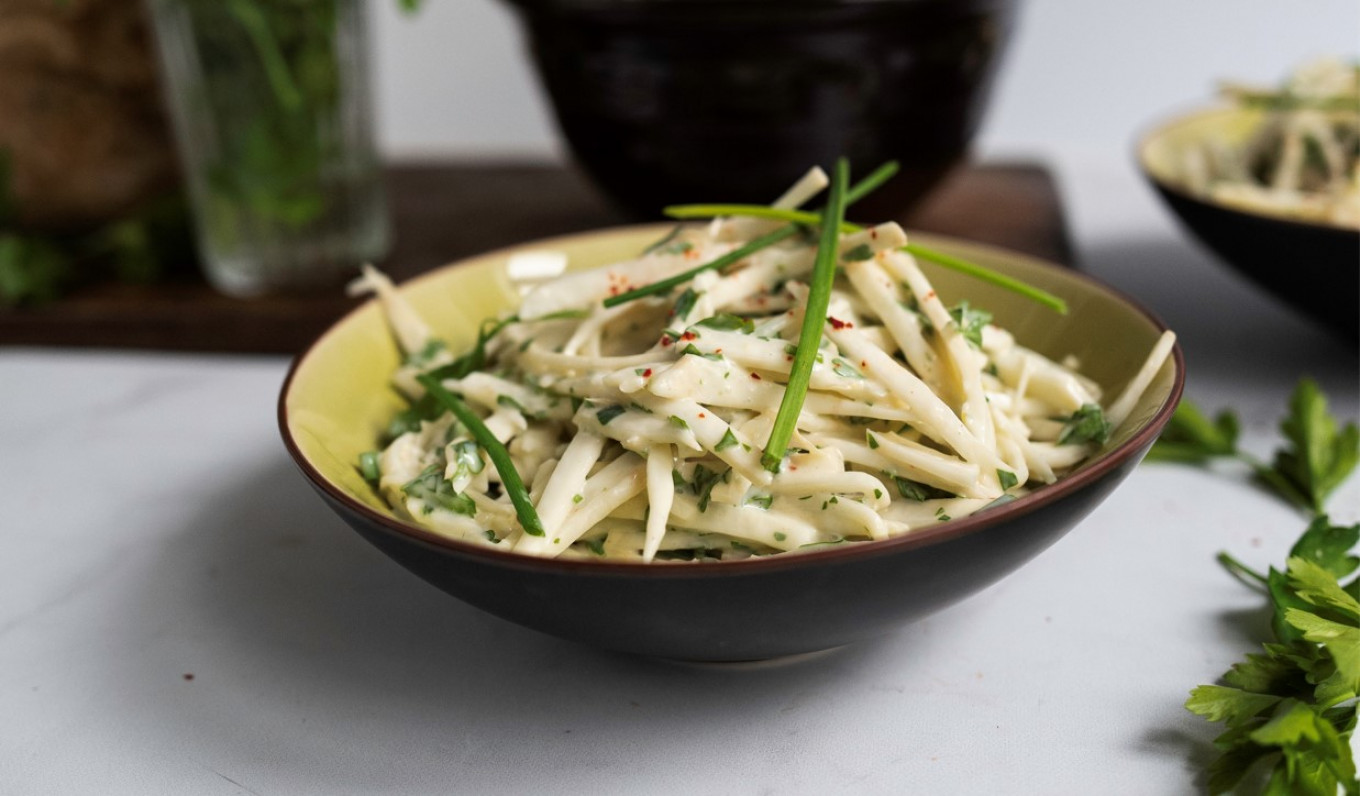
[799, 218]
[814, 319]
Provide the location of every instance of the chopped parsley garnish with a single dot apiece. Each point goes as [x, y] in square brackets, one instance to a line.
[691, 351]
[704, 481]
[728, 440]
[1008, 479]
[858, 253]
[467, 458]
[608, 413]
[679, 247]
[511, 403]
[368, 466]
[914, 490]
[843, 368]
[432, 488]
[1087, 424]
[678, 422]
[514, 485]
[728, 322]
[761, 501]
[474, 359]
[431, 350]
[670, 236]
[970, 321]
[685, 303]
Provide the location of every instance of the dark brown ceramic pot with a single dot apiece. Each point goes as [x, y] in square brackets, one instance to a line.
[667, 101]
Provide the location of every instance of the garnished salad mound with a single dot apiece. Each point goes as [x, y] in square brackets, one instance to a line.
[1303, 162]
[772, 381]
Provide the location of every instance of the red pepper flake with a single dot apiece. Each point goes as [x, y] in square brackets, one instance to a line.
[188, 677]
[647, 374]
[793, 467]
[839, 324]
[717, 350]
[687, 336]
[789, 358]
[930, 295]
[755, 376]
[665, 339]
[863, 365]
[701, 414]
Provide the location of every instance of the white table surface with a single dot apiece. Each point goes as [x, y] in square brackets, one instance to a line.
[180, 614]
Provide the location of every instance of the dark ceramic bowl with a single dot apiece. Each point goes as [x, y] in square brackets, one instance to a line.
[1313, 267]
[666, 101]
[337, 400]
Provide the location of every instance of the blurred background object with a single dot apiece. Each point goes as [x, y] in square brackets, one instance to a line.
[690, 100]
[80, 111]
[87, 173]
[273, 119]
[1270, 182]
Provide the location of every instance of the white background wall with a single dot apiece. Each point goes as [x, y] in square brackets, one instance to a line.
[1082, 77]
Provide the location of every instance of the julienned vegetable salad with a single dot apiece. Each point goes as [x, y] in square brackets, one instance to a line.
[688, 405]
[1303, 162]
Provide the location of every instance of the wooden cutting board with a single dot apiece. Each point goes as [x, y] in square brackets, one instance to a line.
[444, 212]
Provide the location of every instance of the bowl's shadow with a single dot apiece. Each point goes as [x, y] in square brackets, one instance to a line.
[1227, 326]
[309, 627]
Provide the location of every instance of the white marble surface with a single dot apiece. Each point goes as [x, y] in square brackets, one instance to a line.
[179, 613]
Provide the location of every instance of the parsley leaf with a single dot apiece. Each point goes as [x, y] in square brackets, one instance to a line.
[685, 303]
[1292, 706]
[728, 322]
[1328, 546]
[1318, 457]
[860, 252]
[1087, 424]
[1315, 460]
[1193, 438]
[608, 413]
[970, 321]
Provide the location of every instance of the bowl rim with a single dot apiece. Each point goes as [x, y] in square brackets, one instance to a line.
[933, 535]
[1165, 124]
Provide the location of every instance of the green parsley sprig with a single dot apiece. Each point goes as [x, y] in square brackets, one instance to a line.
[1316, 459]
[1293, 705]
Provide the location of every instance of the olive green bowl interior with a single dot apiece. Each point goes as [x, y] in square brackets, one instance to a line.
[338, 400]
[1161, 152]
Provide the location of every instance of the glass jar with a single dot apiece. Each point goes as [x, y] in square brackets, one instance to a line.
[272, 114]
